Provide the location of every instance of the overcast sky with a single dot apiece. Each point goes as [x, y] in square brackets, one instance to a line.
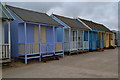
[101, 12]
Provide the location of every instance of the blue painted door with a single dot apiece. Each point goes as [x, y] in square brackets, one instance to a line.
[93, 40]
[50, 39]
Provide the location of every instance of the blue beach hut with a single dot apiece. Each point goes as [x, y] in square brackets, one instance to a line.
[34, 35]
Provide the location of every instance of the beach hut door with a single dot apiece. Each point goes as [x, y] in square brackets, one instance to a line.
[36, 40]
[43, 38]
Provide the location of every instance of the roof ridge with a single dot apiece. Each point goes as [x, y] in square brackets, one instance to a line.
[85, 19]
[33, 16]
[25, 9]
[93, 22]
[71, 22]
[101, 26]
[63, 16]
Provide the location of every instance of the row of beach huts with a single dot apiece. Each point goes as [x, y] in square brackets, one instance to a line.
[27, 34]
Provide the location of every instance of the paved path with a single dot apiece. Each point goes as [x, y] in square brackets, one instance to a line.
[87, 65]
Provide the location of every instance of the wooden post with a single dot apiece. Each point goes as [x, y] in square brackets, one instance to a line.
[103, 40]
[83, 40]
[25, 42]
[3, 33]
[88, 38]
[77, 41]
[9, 42]
[54, 38]
[63, 42]
[3, 41]
[1, 38]
[70, 39]
[39, 41]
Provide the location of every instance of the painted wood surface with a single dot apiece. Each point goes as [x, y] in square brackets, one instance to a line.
[36, 34]
[112, 39]
[21, 33]
[80, 39]
[85, 35]
[106, 39]
[1, 33]
[36, 48]
[101, 40]
[58, 46]
[21, 49]
[93, 40]
[30, 33]
[73, 39]
[58, 34]
[5, 41]
[1, 38]
[86, 40]
[6, 32]
[50, 39]
[15, 35]
[59, 39]
[36, 40]
[66, 40]
[43, 34]
[49, 35]
[66, 35]
[32, 45]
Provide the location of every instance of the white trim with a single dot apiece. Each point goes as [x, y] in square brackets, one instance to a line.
[9, 41]
[1, 26]
[84, 23]
[3, 32]
[61, 21]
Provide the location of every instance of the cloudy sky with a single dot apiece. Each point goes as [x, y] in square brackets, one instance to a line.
[101, 12]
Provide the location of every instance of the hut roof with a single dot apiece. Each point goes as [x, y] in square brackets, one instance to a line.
[33, 16]
[73, 23]
[95, 26]
[4, 14]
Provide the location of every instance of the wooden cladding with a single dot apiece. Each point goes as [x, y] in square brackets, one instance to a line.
[43, 34]
[36, 40]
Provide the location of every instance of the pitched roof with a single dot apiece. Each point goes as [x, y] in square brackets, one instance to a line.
[33, 16]
[95, 26]
[73, 23]
[5, 13]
